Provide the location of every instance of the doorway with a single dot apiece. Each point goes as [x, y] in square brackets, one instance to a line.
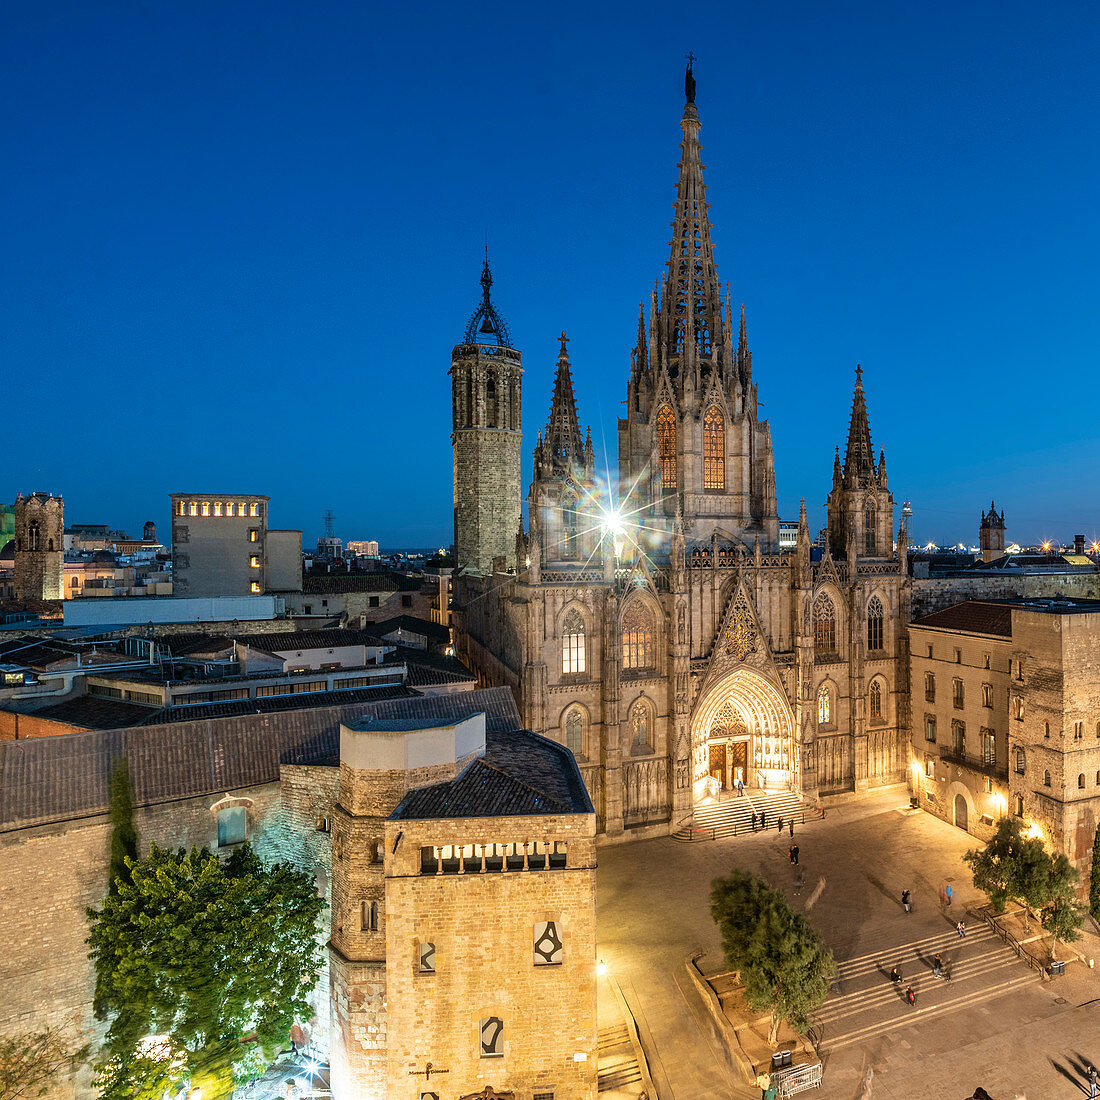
[739, 762]
[716, 765]
[960, 813]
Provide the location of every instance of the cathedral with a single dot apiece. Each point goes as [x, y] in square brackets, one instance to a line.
[655, 627]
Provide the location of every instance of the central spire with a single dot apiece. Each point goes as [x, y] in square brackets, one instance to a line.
[563, 433]
[859, 458]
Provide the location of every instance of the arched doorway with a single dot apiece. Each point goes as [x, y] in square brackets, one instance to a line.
[961, 819]
[743, 729]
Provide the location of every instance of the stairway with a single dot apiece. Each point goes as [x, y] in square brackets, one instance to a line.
[734, 815]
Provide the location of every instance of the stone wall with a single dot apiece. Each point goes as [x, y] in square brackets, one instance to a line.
[936, 593]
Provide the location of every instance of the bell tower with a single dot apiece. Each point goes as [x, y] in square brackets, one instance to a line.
[991, 534]
[39, 547]
[486, 436]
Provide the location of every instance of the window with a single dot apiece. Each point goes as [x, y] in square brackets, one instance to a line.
[372, 601]
[638, 637]
[492, 1037]
[874, 623]
[1046, 729]
[639, 725]
[1081, 782]
[308, 609]
[824, 627]
[989, 748]
[930, 728]
[1018, 806]
[232, 826]
[548, 945]
[1098, 779]
[1098, 729]
[230, 508]
[987, 695]
[193, 508]
[368, 916]
[427, 958]
[714, 451]
[180, 508]
[1021, 761]
[255, 588]
[930, 767]
[253, 509]
[666, 447]
[824, 706]
[876, 701]
[324, 824]
[217, 507]
[1018, 712]
[206, 507]
[253, 534]
[254, 561]
[1020, 669]
[958, 656]
[406, 601]
[33, 535]
[869, 547]
[1078, 730]
[569, 546]
[572, 643]
[958, 694]
[929, 688]
[574, 732]
[929, 650]
[1046, 779]
[958, 737]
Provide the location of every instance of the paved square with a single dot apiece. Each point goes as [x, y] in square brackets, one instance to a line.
[995, 1024]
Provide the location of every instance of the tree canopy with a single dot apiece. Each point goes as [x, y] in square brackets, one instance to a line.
[214, 959]
[784, 966]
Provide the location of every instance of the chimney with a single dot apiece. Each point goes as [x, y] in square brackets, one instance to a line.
[1078, 544]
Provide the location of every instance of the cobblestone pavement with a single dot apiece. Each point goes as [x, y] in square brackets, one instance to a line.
[995, 1024]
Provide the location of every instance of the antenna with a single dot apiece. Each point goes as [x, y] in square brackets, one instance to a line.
[330, 524]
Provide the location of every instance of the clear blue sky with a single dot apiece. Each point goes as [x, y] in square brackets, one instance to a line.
[240, 239]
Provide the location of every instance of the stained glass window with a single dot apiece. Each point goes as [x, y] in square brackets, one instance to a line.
[874, 623]
[876, 699]
[574, 732]
[824, 626]
[572, 643]
[824, 706]
[637, 637]
[639, 724]
[666, 447]
[714, 448]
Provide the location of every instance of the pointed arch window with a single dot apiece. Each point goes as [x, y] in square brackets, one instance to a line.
[574, 731]
[875, 617]
[490, 400]
[876, 701]
[714, 451]
[573, 658]
[640, 726]
[824, 627]
[869, 542]
[569, 545]
[666, 447]
[824, 706]
[33, 535]
[638, 648]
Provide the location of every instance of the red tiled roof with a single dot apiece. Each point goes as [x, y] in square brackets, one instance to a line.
[972, 617]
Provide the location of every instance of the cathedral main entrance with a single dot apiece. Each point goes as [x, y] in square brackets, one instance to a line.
[743, 731]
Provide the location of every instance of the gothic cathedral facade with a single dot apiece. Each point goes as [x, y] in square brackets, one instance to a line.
[664, 636]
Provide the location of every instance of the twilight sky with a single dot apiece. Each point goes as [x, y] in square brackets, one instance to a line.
[240, 240]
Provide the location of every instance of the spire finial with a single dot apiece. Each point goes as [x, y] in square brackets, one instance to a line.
[689, 79]
[486, 326]
[564, 352]
[859, 375]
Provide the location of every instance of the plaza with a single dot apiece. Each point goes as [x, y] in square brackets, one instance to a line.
[996, 1024]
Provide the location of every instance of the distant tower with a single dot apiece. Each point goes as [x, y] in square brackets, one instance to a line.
[991, 534]
[485, 395]
[39, 547]
[150, 533]
[860, 507]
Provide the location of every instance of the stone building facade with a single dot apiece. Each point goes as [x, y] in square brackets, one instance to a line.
[39, 547]
[660, 632]
[1005, 718]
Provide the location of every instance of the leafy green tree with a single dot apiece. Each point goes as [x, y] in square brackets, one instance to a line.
[123, 833]
[1031, 879]
[994, 867]
[1062, 917]
[31, 1063]
[784, 966]
[214, 959]
[1094, 882]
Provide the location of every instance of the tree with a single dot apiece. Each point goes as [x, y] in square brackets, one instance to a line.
[1062, 917]
[123, 833]
[1094, 882]
[31, 1063]
[215, 960]
[784, 966]
[994, 866]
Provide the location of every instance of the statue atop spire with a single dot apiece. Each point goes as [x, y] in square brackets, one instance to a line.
[486, 326]
[689, 79]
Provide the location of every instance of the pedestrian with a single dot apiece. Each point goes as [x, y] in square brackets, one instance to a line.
[790, 853]
[779, 823]
[799, 881]
[754, 821]
[910, 996]
[794, 854]
[906, 902]
[763, 1083]
[792, 826]
[961, 929]
[895, 976]
[937, 966]
[761, 819]
[1092, 1081]
[947, 894]
[981, 1094]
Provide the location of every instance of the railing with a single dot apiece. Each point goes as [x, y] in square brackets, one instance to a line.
[1021, 951]
[734, 828]
[795, 1079]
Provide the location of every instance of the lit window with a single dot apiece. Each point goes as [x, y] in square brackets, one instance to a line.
[427, 958]
[232, 825]
[193, 509]
[230, 508]
[824, 627]
[989, 748]
[1018, 806]
[217, 507]
[930, 767]
[666, 447]
[874, 623]
[181, 508]
[574, 732]
[572, 643]
[492, 1037]
[206, 507]
[714, 450]
[637, 637]
[930, 728]
[876, 700]
[1018, 712]
[958, 732]
[824, 706]
[547, 943]
[254, 561]
[253, 534]
[256, 589]
[243, 509]
[639, 725]
[253, 509]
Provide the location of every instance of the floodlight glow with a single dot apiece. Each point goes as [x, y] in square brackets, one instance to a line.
[613, 523]
[601, 968]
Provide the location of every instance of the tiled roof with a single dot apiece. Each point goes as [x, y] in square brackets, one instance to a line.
[973, 617]
[322, 585]
[308, 639]
[93, 712]
[412, 625]
[521, 773]
[426, 669]
[58, 778]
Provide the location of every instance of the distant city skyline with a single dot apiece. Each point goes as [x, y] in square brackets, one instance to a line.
[242, 241]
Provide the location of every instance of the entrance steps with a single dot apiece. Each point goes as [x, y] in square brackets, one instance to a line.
[733, 816]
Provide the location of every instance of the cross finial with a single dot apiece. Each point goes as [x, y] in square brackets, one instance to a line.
[564, 340]
[690, 58]
[859, 374]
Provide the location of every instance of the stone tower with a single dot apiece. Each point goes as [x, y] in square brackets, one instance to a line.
[39, 547]
[991, 534]
[691, 441]
[860, 507]
[486, 436]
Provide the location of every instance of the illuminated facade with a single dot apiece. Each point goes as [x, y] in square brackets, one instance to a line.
[670, 640]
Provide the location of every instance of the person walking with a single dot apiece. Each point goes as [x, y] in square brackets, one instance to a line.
[947, 894]
[790, 853]
[937, 966]
[961, 929]
[910, 996]
[779, 823]
[1092, 1081]
[792, 826]
[761, 819]
[794, 852]
[908, 905]
[754, 821]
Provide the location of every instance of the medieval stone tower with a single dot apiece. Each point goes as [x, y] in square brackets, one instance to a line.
[39, 547]
[991, 534]
[486, 436]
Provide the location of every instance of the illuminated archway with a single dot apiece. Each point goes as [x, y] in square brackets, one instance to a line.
[761, 732]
